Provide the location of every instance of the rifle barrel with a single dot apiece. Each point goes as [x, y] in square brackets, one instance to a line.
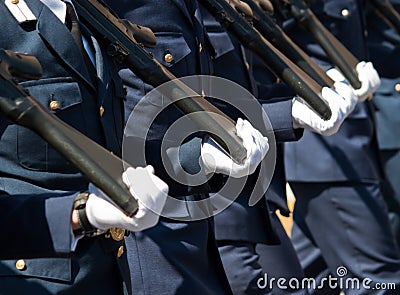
[278, 63]
[112, 31]
[100, 166]
[335, 50]
[273, 33]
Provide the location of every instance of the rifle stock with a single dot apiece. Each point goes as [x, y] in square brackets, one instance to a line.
[115, 35]
[336, 51]
[278, 63]
[100, 166]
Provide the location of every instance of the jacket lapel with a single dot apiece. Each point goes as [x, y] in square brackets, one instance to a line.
[184, 9]
[59, 38]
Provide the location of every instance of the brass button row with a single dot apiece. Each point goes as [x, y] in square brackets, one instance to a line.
[55, 105]
[20, 264]
[117, 234]
[168, 57]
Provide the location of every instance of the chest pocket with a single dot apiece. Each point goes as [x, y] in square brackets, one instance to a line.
[171, 49]
[62, 97]
[340, 9]
[342, 15]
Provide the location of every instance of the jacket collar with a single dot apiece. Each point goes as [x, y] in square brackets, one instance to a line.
[59, 39]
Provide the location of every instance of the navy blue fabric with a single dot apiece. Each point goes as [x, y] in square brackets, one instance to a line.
[175, 257]
[345, 225]
[251, 239]
[349, 154]
[384, 46]
[335, 179]
[37, 184]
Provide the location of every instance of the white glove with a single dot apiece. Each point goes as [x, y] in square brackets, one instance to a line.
[149, 190]
[369, 79]
[367, 75]
[215, 160]
[342, 103]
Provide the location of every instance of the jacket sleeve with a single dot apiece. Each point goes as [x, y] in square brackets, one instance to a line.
[35, 225]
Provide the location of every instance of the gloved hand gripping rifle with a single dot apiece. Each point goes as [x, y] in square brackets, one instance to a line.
[100, 166]
[116, 35]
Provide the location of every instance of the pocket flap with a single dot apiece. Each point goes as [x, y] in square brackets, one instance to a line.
[335, 9]
[64, 91]
[170, 49]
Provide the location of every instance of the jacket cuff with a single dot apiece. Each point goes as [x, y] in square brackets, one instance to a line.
[280, 115]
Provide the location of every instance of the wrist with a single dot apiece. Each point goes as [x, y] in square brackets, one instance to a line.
[75, 220]
[80, 221]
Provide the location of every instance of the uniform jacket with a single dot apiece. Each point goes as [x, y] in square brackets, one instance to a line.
[183, 255]
[384, 48]
[41, 183]
[231, 61]
[350, 154]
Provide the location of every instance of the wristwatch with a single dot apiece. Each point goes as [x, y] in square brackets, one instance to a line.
[86, 229]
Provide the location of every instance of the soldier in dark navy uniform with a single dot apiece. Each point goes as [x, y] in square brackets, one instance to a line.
[44, 191]
[190, 42]
[384, 47]
[339, 204]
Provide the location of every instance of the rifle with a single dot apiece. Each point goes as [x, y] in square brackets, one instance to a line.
[100, 166]
[122, 45]
[387, 12]
[265, 24]
[335, 50]
[278, 63]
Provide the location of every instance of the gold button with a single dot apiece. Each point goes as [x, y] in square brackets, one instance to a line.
[20, 264]
[54, 105]
[397, 87]
[14, 1]
[247, 65]
[200, 47]
[120, 251]
[345, 12]
[118, 234]
[365, 33]
[168, 57]
[101, 111]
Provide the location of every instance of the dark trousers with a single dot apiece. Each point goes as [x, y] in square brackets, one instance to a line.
[176, 258]
[348, 233]
[390, 160]
[250, 266]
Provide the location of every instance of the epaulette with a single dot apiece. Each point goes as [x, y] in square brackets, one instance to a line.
[20, 10]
